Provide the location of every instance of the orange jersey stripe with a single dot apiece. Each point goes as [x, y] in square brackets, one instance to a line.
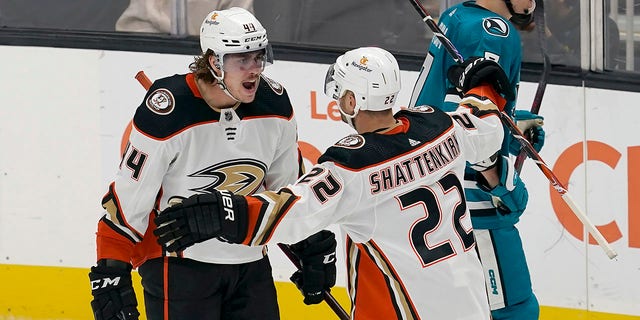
[379, 292]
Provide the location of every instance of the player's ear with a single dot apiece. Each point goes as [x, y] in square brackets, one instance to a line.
[351, 99]
[213, 64]
[348, 102]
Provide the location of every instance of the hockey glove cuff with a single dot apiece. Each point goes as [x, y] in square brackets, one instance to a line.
[531, 125]
[511, 191]
[202, 217]
[486, 164]
[113, 294]
[478, 70]
[317, 256]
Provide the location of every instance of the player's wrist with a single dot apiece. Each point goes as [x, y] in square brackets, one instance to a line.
[113, 263]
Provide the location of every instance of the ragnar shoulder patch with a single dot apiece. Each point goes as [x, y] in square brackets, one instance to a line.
[161, 101]
[353, 141]
[275, 86]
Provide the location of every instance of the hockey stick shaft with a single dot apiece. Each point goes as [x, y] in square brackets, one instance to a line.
[145, 82]
[328, 298]
[560, 188]
[426, 17]
[526, 145]
[542, 84]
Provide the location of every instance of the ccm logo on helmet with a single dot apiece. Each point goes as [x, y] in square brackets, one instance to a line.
[227, 204]
[253, 38]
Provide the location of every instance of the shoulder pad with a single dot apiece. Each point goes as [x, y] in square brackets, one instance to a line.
[422, 109]
[353, 141]
[160, 101]
[169, 107]
[275, 86]
[360, 151]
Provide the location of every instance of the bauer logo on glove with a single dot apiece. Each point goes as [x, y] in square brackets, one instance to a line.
[202, 217]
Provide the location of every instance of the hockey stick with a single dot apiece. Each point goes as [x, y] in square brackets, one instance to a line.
[328, 298]
[542, 84]
[526, 145]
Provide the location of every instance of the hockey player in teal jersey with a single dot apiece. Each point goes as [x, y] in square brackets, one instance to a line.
[489, 29]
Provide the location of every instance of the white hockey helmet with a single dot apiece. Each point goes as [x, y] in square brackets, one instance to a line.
[371, 73]
[234, 30]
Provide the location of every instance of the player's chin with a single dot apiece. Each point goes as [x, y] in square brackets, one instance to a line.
[246, 97]
[248, 91]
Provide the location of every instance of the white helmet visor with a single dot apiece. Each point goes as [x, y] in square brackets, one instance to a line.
[331, 87]
[245, 61]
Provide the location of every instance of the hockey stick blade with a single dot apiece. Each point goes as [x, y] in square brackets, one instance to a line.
[328, 298]
[526, 145]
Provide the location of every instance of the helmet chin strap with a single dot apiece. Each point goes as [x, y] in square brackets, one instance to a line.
[520, 19]
[221, 83]
[348, 118]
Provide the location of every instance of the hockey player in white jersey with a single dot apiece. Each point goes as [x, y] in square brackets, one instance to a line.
[223, 126]
[394, 188]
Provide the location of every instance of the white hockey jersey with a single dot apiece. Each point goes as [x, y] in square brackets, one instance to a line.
[398, 196]
[180, 146]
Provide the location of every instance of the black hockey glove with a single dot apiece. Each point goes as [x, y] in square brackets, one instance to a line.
[202, 217]
[476, 71]
[317, 256]
[113, 295]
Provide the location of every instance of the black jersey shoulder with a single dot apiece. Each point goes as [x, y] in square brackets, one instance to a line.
[271, 100]
[360, 151]
[170, 106]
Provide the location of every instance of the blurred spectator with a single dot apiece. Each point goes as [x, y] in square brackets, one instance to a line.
[391, 24]
[613, 55]
[563, 35]
[154, 16]
[90, 15]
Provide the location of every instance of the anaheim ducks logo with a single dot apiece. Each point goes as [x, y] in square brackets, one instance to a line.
[161, 101]
[353, 141]
[421, 108]
[240, 176]
[496, 27]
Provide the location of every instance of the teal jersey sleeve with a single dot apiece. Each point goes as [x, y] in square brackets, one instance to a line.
[474, 31]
